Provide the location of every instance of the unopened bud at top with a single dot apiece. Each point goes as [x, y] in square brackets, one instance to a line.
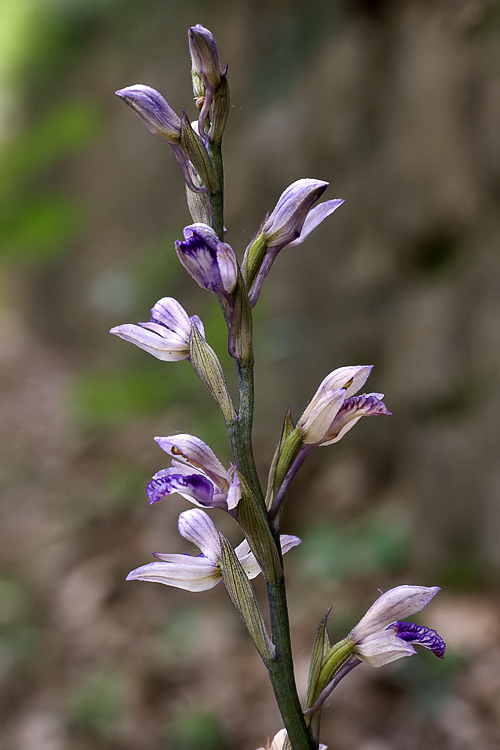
[205, 63]
[153, 110]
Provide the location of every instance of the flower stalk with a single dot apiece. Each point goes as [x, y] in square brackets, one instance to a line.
[196, 473]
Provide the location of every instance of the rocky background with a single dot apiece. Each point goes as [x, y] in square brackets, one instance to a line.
[397, 105]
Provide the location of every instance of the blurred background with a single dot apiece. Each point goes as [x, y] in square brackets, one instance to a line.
[397, 105]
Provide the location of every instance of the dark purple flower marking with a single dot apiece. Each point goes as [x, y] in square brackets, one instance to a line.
[195, 485]
[420, 635]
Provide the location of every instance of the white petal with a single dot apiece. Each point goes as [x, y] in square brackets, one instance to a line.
[181, 571]
[171, 314]
[288, 541]
[197, 527]
[318, 416]
[316, 215]
[194, 452]
[350, 378]
[247, 558]
[234, 492]
[395, 604]
[382, 648]
[228, 266]
[169, 349]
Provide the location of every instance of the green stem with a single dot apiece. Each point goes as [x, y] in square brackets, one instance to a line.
[217, 197]
[281, 670]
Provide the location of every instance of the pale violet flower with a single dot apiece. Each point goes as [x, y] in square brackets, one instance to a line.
[153, 110]
[293, 219]
[211, 263]
[162, 121]
[381, 636]
[295, 216]
[279, 742]
[167, 334]
[334, 409]
[196, 474]
[203, 571]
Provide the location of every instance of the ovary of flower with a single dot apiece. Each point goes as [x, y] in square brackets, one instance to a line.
[334, 409]
[196, 474]
[279, 741]
[203, 571]
[381, 637]
[166, 336]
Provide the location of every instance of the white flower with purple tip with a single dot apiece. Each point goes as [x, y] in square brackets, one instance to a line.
[334, 409]
[166, 336]
[381, 636]
[196, 474]
[204, 571]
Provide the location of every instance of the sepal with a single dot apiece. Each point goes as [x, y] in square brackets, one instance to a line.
[242, 595]
[321, 647]
[198, 155]
[208, 368]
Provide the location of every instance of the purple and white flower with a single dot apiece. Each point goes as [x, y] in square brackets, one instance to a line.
[381, 636]
[293, 219]
[211, 263]
[196, 474]
[295, 216]
[166, 336]
[334, 409]
[204, 571]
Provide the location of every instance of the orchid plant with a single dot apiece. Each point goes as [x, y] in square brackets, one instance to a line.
[196, 474]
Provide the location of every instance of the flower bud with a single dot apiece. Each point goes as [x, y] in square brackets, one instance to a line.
[210, 86]
[153, 110]
[205, 65]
